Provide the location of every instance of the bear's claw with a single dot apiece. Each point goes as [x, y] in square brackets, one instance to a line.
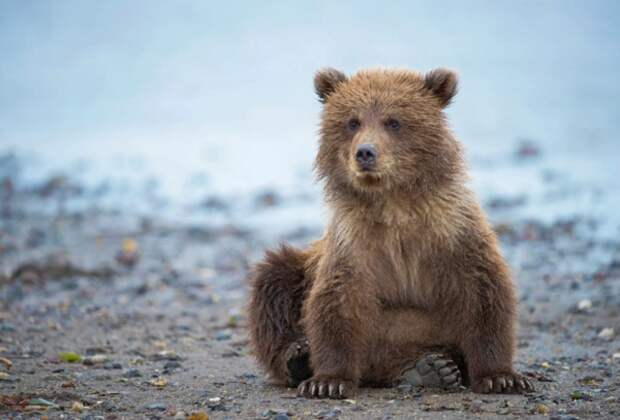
[503, 384]
[325, 387]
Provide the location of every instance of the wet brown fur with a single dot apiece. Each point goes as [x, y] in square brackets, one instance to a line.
[408, 261]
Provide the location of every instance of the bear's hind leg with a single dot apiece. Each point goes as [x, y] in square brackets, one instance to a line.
[433, 370]
[277, 289]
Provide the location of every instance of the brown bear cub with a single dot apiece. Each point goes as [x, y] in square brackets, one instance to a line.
[407, 282]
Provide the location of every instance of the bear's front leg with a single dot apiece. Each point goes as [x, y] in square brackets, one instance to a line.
[488, 313]
[338, 317]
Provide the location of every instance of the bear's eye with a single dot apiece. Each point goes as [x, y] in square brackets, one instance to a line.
[353, 124]
[392, 124]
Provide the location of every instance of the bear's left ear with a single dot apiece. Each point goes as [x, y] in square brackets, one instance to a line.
[443, 84]
[326, 81]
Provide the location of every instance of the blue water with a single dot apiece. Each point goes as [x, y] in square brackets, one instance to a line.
[194, 98]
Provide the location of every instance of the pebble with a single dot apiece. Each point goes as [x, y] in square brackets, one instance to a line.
[580, 395]
[223, 335]
[475, 406]
[112, 366]
[216, 404]
[180, 415]
[165, 355]
[42, 402]
[6, 362]
[276, 413]
[607, 334]
[128, 254]
[77, 406]
[527, 149]
[329, 414]
[172, 365]
[6, 327]
[541, 409]
[584, 305]
[158, 382]
[131, 373]
[97, 359]
[156, 406]
[110, 406]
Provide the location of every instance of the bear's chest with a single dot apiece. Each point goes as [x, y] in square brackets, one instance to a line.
[394, 263]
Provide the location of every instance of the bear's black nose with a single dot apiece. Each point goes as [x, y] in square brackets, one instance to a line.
[365, 155]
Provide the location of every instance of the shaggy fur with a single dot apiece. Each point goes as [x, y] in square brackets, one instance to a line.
[407, 264]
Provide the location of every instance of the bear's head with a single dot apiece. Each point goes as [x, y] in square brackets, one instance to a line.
[385, 130]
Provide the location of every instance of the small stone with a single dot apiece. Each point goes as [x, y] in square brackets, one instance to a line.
[6, 362]
[110, 406]
[584, 305]
[215, 404]
[128, 254]
[223, 335]
[110, 366]
[198, 416]
[158, 382]
[165, 355]
[4, 376]
[131, 373]
[156, 406]
[580, 395]
[541, 409]
[329, 414]
[616, 356]
[527, 149]
[97, 359]
[172, 365]
[475, 406]
[607, 334]
[91, 351]
[281, 416]
[41, 402]
[180, 415]
[6, 327]
[69, 357]
[77, 406]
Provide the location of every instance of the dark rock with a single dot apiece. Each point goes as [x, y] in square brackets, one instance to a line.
[527, 149]
[112, 366]
[131, 373]
[6, 327]
[223, 335]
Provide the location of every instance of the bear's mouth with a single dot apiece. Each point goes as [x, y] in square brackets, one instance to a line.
[368, 178]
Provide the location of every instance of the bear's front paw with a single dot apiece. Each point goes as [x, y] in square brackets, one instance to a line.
[502, 383]
[326, 387]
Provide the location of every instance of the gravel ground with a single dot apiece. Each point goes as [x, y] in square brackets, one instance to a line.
[110, 315]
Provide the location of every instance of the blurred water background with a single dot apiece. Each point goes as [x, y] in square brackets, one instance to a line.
[207, 108]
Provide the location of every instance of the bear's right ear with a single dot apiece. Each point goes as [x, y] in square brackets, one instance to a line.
[326, 81]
